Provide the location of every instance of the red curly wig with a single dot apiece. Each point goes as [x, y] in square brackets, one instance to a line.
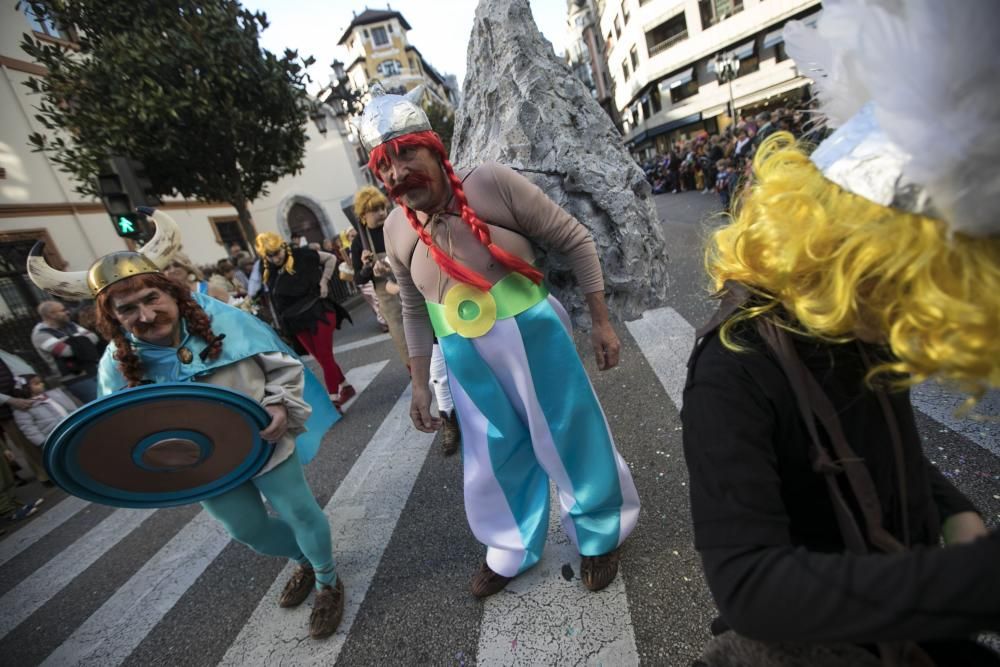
[129, 363]
[430, 140]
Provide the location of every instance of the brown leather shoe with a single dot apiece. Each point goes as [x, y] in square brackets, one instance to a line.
[451, 437]
[328, 609]
[597, 572]
[297, 589]
[486, 582]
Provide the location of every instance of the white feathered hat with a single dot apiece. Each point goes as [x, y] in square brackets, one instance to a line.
[913, 88]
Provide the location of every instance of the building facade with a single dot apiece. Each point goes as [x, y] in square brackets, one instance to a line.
[39, 202]
[378, 50]
[663, 56]
[586, 54]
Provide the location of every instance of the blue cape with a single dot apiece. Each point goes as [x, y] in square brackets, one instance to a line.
[246, 336]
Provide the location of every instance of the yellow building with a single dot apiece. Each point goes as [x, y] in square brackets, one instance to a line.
[378, 50]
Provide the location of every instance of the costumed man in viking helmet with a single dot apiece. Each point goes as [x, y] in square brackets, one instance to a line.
[460, 248]
[161, 332]
[847, 276]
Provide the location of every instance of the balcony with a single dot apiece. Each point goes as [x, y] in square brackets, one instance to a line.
[653, 49]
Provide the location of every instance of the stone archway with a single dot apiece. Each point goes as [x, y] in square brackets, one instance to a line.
[300, 213]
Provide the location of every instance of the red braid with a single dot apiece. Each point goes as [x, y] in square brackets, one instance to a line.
[448, 264]
[482, 231]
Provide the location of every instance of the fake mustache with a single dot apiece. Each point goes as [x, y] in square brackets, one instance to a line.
[411, 182]
[158, 322]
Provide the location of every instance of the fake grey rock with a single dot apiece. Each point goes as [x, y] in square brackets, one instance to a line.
[522, 107]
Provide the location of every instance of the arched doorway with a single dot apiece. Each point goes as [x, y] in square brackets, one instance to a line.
[300, 215]
[303, 222]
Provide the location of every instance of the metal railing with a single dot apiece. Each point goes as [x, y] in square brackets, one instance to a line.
[667, 43]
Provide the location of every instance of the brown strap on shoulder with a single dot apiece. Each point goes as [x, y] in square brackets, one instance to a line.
[814, 404]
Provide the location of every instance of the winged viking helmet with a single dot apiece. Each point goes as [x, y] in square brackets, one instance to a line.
[78, 285]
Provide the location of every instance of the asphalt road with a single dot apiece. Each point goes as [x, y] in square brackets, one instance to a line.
[85, 584]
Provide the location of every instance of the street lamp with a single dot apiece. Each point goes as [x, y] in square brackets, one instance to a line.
[727, 66]
[318, 116]
[339, 89]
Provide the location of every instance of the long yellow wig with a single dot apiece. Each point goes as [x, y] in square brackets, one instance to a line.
[842, 266]
[268, 242]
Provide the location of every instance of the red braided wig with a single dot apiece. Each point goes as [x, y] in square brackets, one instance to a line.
[431, 141]
[129, 363]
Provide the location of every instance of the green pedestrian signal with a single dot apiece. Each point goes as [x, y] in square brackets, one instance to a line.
[125, 226]
[131, 226]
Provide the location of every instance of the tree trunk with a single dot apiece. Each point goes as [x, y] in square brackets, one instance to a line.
[246, 220]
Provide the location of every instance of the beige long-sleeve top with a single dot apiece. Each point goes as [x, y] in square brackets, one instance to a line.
[269, 378]
[517, 212]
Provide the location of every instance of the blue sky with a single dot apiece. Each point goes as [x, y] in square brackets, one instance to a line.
[440, 28]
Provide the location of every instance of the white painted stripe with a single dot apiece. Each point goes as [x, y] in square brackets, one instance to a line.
[24, 599]
[666, 340]
[361, 377]
[939, 404]
[364, 342]
[40, 527]
[542, 619]
[363, 514]
[113, 631]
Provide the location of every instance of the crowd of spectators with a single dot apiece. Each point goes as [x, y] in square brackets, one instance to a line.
[717, 162]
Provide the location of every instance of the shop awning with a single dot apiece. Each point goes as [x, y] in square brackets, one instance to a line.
[673, 125]
[677, 80]
[774, 37]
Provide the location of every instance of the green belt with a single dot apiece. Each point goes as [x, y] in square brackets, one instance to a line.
[471, 313]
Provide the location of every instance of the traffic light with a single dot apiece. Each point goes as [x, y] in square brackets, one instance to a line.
[131, 225]
[124, 186]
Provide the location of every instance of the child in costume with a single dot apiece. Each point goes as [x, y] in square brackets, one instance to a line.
[847, 276]
[160, 331]
[460, 250]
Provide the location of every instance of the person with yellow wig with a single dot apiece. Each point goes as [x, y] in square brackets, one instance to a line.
[297, 281]
[846, 276]
[371, 269]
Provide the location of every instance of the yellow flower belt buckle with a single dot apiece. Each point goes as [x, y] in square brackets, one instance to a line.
[469, 311]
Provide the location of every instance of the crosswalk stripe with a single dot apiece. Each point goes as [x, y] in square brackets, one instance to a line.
[666, 339]
[40, 527]
[364, 342]
[543, 618]
[114, 630]
[361, 377]
[25, 598]
[363, 514]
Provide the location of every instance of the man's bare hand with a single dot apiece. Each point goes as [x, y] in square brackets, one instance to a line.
[367, 257]
[20, 403]
[381, 269]
[963, 528]
[279, 422]
[324, 290]
[607, 347]
[420, 410]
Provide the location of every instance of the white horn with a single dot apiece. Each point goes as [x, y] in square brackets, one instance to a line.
[71, 285]
[165, 242]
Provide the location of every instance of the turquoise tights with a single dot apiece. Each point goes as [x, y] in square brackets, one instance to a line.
[302, 532]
